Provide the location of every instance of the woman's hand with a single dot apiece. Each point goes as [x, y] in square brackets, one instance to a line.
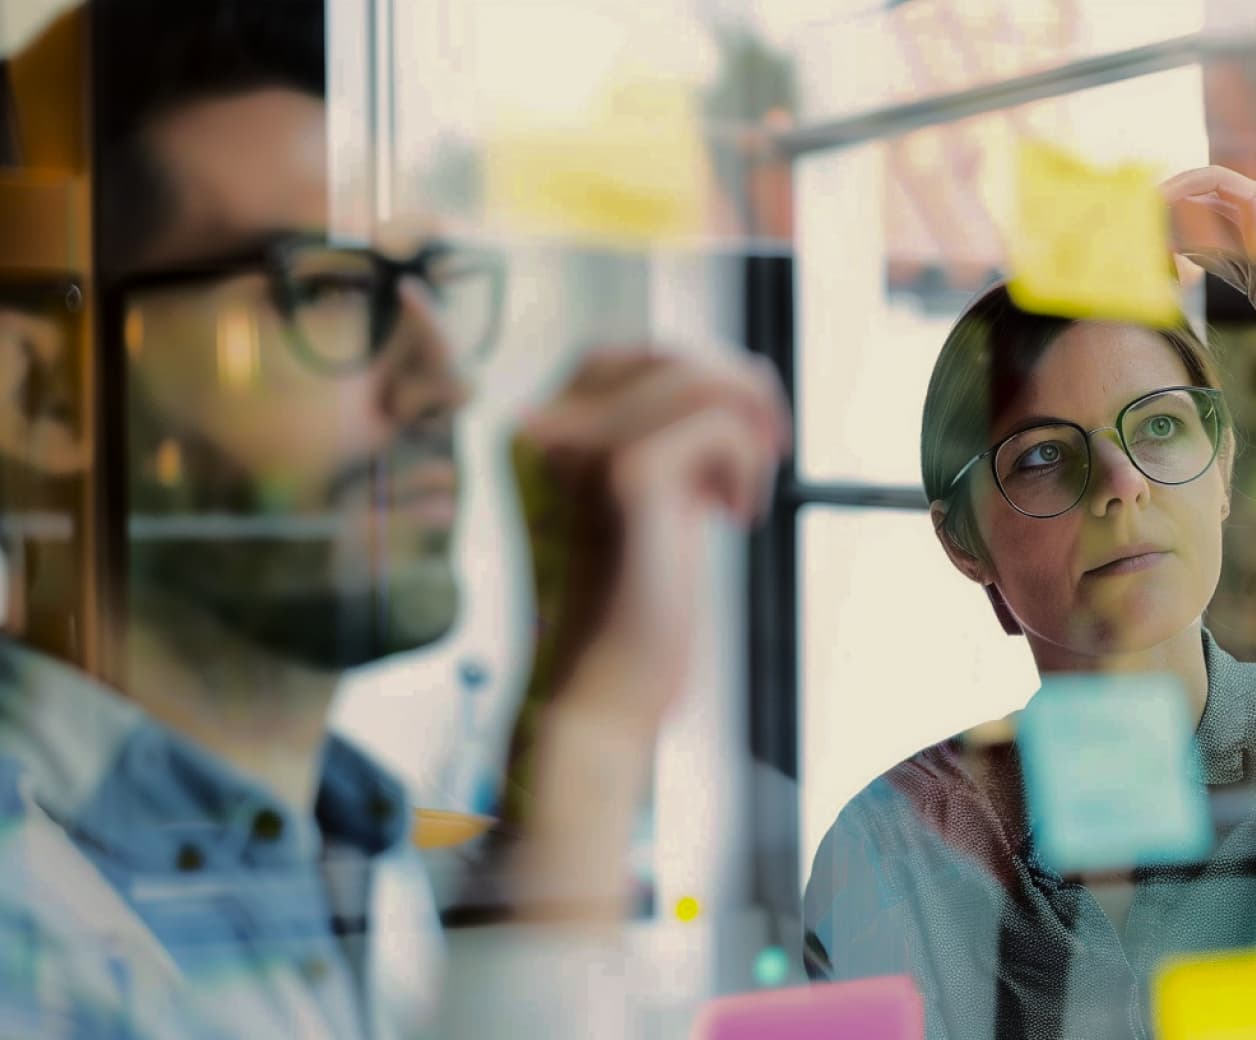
[1213, 210]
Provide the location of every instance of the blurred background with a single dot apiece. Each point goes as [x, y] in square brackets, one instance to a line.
[824, 182]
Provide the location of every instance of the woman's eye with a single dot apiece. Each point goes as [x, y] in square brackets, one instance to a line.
[1161, 427]
[1046, 454]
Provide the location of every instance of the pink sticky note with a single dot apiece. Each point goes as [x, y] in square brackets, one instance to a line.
[885, 1008]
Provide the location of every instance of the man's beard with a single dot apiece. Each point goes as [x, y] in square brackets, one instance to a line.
[326, 627]
[306, 599]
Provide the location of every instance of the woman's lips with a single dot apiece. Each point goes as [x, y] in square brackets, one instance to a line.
[1128, 564]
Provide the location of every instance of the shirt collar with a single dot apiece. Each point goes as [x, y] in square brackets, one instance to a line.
[1227, 728]
[155, 800]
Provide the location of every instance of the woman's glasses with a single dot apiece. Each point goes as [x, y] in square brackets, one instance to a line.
[1171, 436]
[340, 304]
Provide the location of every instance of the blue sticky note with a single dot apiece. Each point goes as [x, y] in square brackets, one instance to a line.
[1111, 776]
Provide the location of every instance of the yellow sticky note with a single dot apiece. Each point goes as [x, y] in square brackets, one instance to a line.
[1206, 998]
[1090, 242]
[636, 171]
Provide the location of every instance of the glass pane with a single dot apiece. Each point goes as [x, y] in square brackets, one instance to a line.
[855, 60]
[476, 96]
[870, 580]
[654, 124]
[920, 220]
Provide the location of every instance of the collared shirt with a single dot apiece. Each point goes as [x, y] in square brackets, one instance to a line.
[149, 890]
[929, 871]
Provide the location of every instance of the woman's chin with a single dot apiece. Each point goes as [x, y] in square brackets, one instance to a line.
[1137, 627]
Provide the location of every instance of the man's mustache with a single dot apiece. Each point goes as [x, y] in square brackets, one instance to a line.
[416, 446]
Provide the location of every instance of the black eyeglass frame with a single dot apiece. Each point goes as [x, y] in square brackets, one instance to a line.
[273, 256]
[1215, 395]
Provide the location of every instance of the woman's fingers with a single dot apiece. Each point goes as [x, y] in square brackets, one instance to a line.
[1213, 210]
[1208, 179]
[1209, 205]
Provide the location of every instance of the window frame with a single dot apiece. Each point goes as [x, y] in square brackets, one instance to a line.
[773, 587]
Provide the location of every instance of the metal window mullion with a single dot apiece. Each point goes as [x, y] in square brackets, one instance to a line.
[772, 641]
[383, 104]
[852, 494]
[895, 119]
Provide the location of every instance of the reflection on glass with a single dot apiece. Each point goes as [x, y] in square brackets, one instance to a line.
[877, 55]
[869, 580]
[922, 219]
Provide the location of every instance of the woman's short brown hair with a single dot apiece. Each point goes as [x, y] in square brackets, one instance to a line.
[984, 366]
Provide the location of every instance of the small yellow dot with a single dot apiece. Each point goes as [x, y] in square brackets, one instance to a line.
[687, 909]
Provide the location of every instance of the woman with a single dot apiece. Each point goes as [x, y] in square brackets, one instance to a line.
[1080, 472]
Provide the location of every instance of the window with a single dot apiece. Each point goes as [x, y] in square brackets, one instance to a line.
[899, 224]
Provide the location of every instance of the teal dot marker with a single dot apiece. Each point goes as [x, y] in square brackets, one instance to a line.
[771, 966]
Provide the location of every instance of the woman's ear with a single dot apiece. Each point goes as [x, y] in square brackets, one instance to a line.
[1003, 612]
[972, 567]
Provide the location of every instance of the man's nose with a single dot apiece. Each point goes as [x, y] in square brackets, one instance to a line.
[1114, 478]
[419, 374]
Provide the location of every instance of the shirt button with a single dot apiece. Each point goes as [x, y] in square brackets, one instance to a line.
[190, 858]
[267, 825]
[381, 808]
[314, 969]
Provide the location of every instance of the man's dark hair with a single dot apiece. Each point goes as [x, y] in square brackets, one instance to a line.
[154, 56]
[9, 151]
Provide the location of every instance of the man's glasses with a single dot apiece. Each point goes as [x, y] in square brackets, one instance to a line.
[340, 304]
[1171, 436]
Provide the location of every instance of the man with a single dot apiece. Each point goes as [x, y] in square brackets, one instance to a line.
[190, 854]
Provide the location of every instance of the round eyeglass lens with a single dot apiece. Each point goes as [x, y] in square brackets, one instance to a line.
[332, 292]
[1172, 436]
[1043, 471]
[465, 297]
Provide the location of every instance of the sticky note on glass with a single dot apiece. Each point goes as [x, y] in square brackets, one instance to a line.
[1088, 242]
[636, 171]
[887, 1007]
[1111, 777]
[1206, 998]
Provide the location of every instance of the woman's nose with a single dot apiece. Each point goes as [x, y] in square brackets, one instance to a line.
[1114, 478]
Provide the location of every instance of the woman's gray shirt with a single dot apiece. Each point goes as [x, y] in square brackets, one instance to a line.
[929, 871]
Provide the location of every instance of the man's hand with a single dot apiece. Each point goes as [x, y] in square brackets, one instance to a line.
[647, 446]
[641, 449]
[1213, 210]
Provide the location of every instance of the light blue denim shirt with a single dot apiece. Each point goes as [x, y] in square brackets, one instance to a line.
[149, 890]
